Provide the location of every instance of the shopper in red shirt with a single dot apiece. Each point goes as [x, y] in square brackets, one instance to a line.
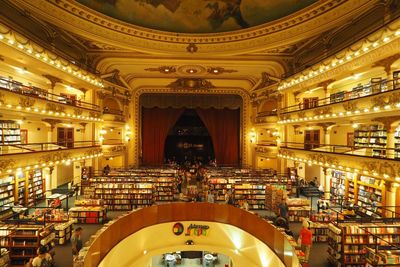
[306, 239]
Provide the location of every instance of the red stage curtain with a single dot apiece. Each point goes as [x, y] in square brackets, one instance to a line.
[156, 123]
[223, 126]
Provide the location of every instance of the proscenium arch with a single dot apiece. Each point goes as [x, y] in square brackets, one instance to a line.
[243, 249]
[244, 148]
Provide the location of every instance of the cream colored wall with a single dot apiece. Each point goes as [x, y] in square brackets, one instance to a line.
[338, 134]
[37, 131]
[266, 163]
[65, 174]
[311, 172]
[243, 248]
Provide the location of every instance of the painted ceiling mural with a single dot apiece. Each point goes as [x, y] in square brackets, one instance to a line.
[197, 16]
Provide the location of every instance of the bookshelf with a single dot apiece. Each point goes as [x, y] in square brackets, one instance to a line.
[299, 209]
[89, 215]
[397, 142]
[370, 195]
[7, 191]
[24, 240]
[164, 189]
[338, 185]
[10, 132]
[396, 79]
[382, 258]
[220, 186]
[254, 193]
[63, 232]
[348, 241]
[373, 136]
[125, 196]
[36, 182]
[273, 197]
[320, 232]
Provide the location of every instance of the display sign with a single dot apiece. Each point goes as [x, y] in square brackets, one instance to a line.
[191, 230]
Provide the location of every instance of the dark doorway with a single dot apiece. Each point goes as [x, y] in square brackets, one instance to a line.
[189, 140]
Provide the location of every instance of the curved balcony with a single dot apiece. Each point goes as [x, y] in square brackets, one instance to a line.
[35, 92]
[273, 247]
[267, 117]
[359, 93]
[22, 155]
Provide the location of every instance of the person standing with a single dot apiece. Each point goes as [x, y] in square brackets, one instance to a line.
[43, 259]
[210, 197]
[284, 209]
[305, 239]
[76, 241]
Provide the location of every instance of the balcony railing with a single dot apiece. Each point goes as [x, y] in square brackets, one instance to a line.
[9, 149]
[372, 152]
[267, 113]
[32, 91]
[107, 110]
[343, 96]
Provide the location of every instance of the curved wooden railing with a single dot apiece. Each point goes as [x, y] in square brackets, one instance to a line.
[219, 213]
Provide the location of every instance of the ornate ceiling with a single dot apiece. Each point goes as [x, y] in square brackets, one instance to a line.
[177, 39]
[197, 16]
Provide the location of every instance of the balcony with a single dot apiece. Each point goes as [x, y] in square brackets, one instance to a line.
[266, 117]
[19, 155]
[113, 147]
[371, 98]
[16, 96]
[267, 148]
[116, 115]
[366, 159]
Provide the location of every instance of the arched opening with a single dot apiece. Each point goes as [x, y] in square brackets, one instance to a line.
[189, 140]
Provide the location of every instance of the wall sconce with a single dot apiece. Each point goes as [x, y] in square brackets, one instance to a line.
[253, 136]
[128, 133]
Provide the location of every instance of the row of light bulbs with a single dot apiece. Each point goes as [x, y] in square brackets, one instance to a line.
[51, 113]
[45, 57]
[335, 62]
[333, 166]
[67, 162]
[342, 114]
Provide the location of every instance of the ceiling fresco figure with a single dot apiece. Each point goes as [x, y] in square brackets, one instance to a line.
[197, 16]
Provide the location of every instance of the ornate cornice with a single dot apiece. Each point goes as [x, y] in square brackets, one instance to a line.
[310, 21]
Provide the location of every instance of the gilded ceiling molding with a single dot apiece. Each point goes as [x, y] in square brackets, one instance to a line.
[219, 70]
[310, 21]
[377, 49]
[163, 69]
[244, 116]
[54, 156]
[191, 84]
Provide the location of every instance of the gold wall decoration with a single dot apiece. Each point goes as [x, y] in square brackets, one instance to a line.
[6, 164]
[54, 156]
[350, 105]
[192, 48]
[322, 111]
[382, 167]
[265, 80]
[55, 107]
[326, 159]
[78, 111]
[191, 83]
[93, 151]
[26, 102]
